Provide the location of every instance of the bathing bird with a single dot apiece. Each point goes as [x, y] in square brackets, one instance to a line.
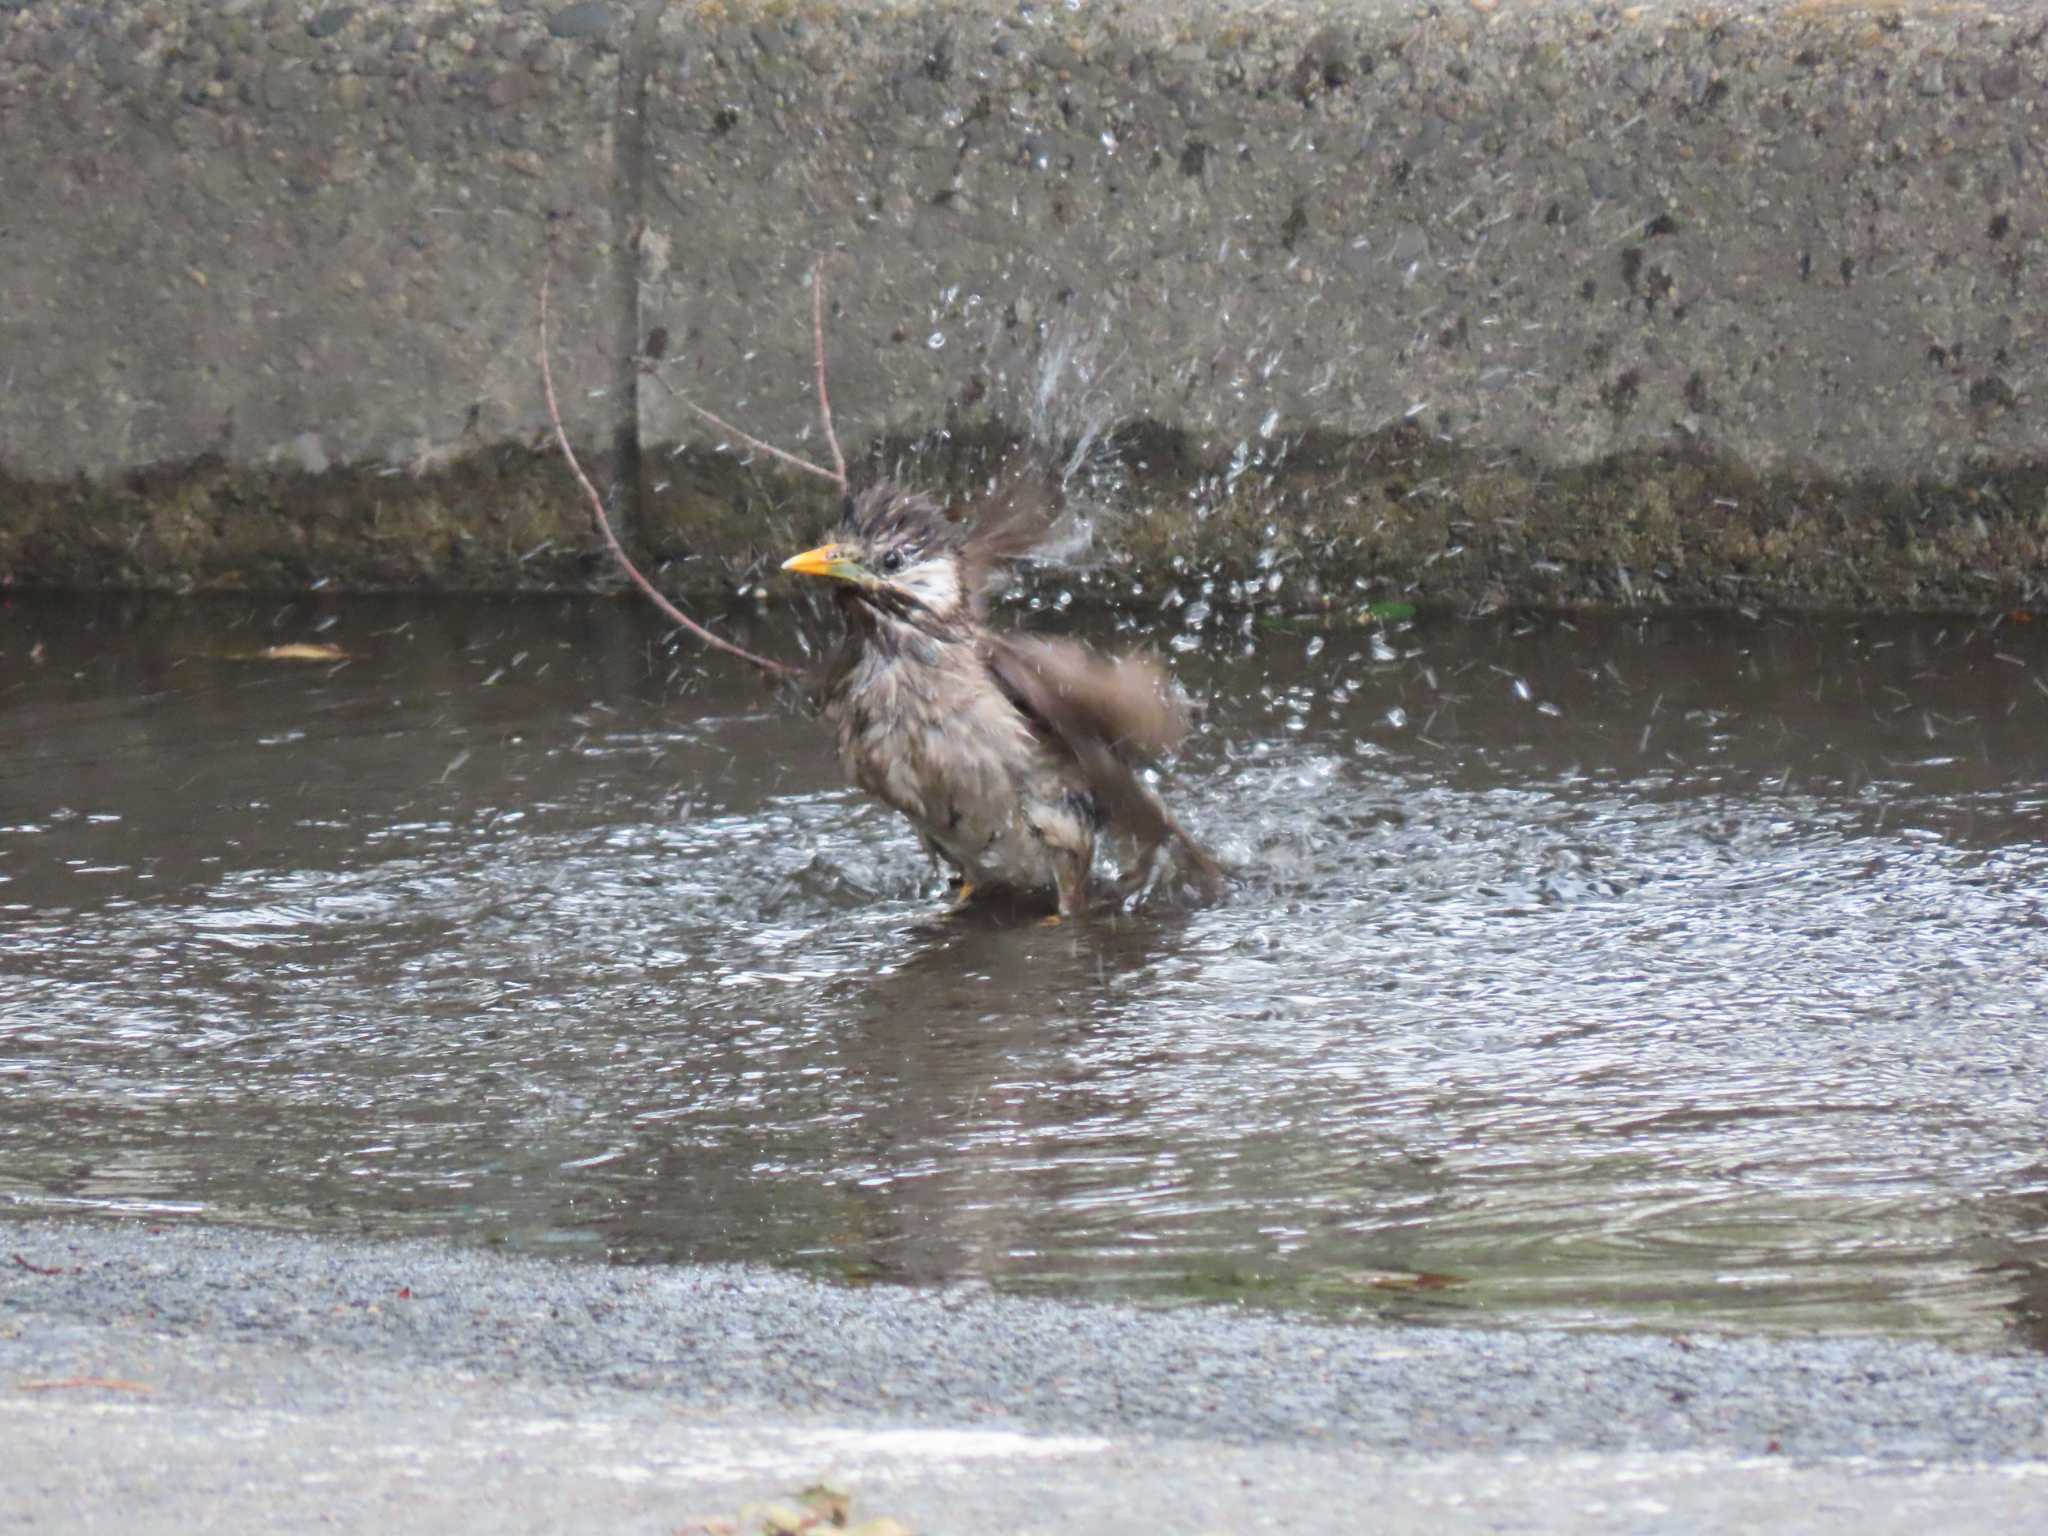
[1010, 754]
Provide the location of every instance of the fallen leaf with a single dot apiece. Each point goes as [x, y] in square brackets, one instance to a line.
[1404, 1279]
[881, 1525]
[302, 651]
[35, 1269]
[781, 1519]
[828, 1502]
[1431, 1280]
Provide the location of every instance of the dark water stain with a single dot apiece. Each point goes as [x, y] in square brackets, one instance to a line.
[1292, 520]
[1678, 972]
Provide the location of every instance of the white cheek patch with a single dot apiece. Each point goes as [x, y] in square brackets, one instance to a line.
[933, 583]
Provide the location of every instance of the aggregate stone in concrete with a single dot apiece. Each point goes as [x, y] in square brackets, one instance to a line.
[1794, 236]
[292, 238]
[1559, 303]
[308, 235]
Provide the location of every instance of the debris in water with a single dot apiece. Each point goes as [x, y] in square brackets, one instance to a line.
[298, 651]
[1403, 1279]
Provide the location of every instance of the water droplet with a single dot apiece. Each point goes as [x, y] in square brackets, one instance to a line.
[1397, 717]
[1315, 646]
[1272, 421]
[1522, 690]
[936, 340]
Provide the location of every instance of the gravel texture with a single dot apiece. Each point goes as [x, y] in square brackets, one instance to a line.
[263, 1377]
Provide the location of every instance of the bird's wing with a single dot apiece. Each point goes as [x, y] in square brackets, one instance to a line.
[1108, 713]
[1011, 521]
[1080, 695]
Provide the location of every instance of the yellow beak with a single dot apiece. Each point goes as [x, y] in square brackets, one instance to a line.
[829, 560]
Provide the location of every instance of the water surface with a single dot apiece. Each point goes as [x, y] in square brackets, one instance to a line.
[1674, 972]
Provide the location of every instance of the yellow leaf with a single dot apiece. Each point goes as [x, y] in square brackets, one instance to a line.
[781, 1519]
[827, 1502]
[302, 652]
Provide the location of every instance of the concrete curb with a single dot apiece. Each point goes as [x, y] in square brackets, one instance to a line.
[1476, 303]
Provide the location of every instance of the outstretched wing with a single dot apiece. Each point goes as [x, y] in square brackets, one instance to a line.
[1009, 523]
[1109, 713]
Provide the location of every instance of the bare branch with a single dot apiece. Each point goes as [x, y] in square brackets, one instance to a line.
[604, 523]
[752, 441]
[824, 395]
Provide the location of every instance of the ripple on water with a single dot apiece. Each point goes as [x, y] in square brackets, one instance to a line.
[1708, 995]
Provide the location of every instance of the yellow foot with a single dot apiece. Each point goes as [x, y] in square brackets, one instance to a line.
[964, 895]
[1051, 922]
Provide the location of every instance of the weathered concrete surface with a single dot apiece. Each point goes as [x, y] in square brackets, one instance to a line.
[1570, 302]
[175, 1379]
[267, 312]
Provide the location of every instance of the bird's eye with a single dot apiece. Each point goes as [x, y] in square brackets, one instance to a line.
[892, 562]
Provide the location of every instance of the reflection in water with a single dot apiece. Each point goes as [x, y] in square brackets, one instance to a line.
[1676, 971]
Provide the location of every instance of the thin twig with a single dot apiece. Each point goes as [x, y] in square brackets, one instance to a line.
[752, 441]
[824, 395]
[604, 523]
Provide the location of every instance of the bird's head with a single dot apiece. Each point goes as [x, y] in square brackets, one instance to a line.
[896, 552]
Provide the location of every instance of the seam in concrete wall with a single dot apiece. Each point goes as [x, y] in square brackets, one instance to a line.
[629, 222]
[1571, 302]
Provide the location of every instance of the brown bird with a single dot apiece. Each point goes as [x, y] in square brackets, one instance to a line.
[1009, 753]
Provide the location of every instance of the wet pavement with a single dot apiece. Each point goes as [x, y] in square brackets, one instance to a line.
[178, 1378]
[1681, 972]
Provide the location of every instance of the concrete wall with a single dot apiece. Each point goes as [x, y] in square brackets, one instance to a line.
[1560, 303]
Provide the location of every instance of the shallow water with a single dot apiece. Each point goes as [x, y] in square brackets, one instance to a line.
[1679, 972]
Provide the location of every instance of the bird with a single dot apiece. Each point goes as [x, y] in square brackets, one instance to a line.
[1011, 754]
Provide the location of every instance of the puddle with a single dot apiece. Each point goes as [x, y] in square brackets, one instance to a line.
[1682, 972]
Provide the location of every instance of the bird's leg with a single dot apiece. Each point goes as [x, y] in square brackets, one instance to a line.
[1137, 880]
[1070, 876]
[956, 877]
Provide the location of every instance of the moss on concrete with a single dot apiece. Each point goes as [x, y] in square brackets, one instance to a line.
[1304, 523]
[503, 519]
[1324, 519]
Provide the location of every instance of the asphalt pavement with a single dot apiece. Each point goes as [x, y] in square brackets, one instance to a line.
[182, 1378]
